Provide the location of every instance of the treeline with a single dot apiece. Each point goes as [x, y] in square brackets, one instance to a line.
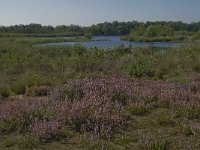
[106, 28]
[39, 29]
[123, 28]
[115, 28]
[162, 31]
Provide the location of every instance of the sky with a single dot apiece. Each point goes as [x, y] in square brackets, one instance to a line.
[88, 12]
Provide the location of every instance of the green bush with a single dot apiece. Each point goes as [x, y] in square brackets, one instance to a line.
[140, 67]
[9, 143]
[8, 126]
[33, 80]
[120, 97]
[5, 92]
[188, 113]
[192, 113]
[196, 36]
[19, 89]
[138, 110]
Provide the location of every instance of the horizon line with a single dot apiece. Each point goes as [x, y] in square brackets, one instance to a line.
[25, 24]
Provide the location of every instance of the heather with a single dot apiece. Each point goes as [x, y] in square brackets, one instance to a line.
[107, 109]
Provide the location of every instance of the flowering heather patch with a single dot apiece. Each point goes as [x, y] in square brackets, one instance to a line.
[17, 115]
[77, 89]
[92, 107]
[44, 130]
[96, 114]
[96, 105]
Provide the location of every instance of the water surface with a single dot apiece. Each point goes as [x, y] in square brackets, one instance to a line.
[114, 41]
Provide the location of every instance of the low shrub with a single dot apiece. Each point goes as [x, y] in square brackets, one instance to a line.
[5, 92]
[192, 113]
[9, 143]
[8, 126]
[140, 67]
[98, 107]
[19, 89]
[36, 91]
[33, 80]
[138, 108]
[120, 97]
[189, 113]
[45, 130]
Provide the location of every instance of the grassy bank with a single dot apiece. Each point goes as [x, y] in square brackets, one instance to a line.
[155, 39]
[45, 40]
[72, 97]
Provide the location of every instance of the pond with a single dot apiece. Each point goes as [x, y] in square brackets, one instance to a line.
[114, 41]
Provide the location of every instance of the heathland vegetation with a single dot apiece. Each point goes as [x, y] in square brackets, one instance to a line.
[72, 97]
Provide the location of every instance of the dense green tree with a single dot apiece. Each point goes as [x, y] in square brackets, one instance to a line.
[138, 30]
[159, 30]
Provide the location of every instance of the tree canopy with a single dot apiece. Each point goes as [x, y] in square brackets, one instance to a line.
[150, 29]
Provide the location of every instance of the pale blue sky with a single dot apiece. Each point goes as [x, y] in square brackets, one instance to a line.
[87, 12]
